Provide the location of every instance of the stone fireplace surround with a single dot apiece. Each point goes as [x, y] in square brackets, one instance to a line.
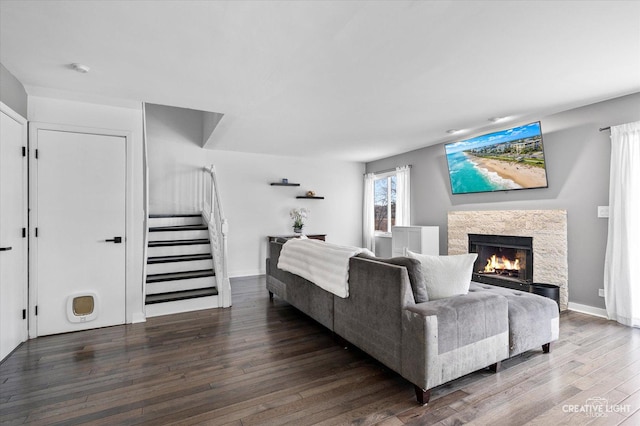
[547, 227]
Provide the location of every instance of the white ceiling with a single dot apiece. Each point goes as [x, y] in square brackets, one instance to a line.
[350, 80]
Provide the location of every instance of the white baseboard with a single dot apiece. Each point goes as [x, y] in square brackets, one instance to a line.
[138, 317]
[247, 273]
[586, 309]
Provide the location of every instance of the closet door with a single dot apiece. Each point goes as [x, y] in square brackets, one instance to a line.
[13, 225]
[78, 187]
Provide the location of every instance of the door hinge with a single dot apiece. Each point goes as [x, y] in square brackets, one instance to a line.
[24, 232]
[36, 310]
[24, 314]
[36, 154]
[24, 151]
[36, 230]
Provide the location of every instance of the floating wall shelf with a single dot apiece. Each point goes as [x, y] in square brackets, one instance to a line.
[314, 198]
[284, 184]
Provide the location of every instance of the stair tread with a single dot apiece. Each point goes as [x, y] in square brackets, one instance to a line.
[180, 295]
[178, 258]
[178, 242]
[173, 228]
[161, 215]
[173, 276]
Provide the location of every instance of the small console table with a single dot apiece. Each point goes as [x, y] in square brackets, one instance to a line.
[288, 237]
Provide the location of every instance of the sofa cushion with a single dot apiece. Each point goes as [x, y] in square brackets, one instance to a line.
[533, 319]
[414, 268]
[446, 276]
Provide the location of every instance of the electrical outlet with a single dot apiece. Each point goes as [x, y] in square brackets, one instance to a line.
[603, 211]
[601, 292]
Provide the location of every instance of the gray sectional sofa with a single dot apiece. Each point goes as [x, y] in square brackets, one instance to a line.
[428, 343]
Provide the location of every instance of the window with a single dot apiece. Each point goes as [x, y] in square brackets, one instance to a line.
[384, 203]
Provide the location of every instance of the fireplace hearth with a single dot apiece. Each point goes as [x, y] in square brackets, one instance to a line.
[503, 260]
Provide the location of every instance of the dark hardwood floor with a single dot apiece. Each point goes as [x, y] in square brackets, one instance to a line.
[262, 362]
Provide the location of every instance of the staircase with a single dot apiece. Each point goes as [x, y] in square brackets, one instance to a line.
[180, 270]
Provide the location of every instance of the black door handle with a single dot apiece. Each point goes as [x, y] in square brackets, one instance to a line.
[115, 240]
[5, 248]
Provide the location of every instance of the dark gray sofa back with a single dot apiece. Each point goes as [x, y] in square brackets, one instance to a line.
[371, 317]
[304, 295]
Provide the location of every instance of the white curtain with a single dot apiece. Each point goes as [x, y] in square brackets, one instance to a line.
[622, 260]
[368, 238]
[403, 196]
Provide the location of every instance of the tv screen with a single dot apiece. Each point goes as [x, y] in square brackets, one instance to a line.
[499, 161]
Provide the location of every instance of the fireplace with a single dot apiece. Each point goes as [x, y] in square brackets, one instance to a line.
[503, 260]
[547, 228]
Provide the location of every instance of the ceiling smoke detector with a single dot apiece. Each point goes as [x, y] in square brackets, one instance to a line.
[81, 68]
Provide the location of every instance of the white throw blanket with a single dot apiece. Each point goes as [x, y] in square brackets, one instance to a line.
[324, 264]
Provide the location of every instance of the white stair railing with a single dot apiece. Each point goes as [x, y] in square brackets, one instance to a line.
[214, 217]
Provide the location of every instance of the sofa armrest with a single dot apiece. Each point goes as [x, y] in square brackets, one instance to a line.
[464, 319]
[447, 338]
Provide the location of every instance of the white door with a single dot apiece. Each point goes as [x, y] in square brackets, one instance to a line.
[13, 245]
[79, 193]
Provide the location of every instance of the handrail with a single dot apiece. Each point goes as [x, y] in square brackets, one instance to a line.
[211, 170]
[218, 228]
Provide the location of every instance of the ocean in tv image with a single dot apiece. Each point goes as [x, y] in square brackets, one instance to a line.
[499, 161]
[466, 176]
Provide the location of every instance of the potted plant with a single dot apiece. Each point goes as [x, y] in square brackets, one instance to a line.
[298, 216]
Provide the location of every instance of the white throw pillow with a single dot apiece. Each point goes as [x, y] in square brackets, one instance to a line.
[446, 276]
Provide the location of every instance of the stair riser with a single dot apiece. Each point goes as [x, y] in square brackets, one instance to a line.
[174, 221]
[178, 250]
[165, 268]
[178, 235]
[179, 306]
[180, 285]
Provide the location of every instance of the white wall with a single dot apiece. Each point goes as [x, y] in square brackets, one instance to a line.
[129, 119]
[253, 208]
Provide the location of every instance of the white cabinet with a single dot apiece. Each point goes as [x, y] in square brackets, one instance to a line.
[418, 239]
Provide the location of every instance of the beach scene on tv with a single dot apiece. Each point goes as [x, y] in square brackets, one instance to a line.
[499, 161]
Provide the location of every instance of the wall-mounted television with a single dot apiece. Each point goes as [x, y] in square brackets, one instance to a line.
[499, 161]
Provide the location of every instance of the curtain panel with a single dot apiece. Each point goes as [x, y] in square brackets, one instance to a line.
[403, 196]
[622, 268]
[368, 237]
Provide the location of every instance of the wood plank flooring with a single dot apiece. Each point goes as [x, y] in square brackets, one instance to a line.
[264, 363]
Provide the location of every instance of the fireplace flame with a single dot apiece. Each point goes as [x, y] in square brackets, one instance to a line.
[494, 263]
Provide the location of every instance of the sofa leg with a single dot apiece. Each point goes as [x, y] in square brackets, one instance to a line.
[270, 296]
[546, 348]
[495, 367]
[341, 341]
[422, 395]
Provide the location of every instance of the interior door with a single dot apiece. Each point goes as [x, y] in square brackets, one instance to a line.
[13, 220]
[79, 240]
